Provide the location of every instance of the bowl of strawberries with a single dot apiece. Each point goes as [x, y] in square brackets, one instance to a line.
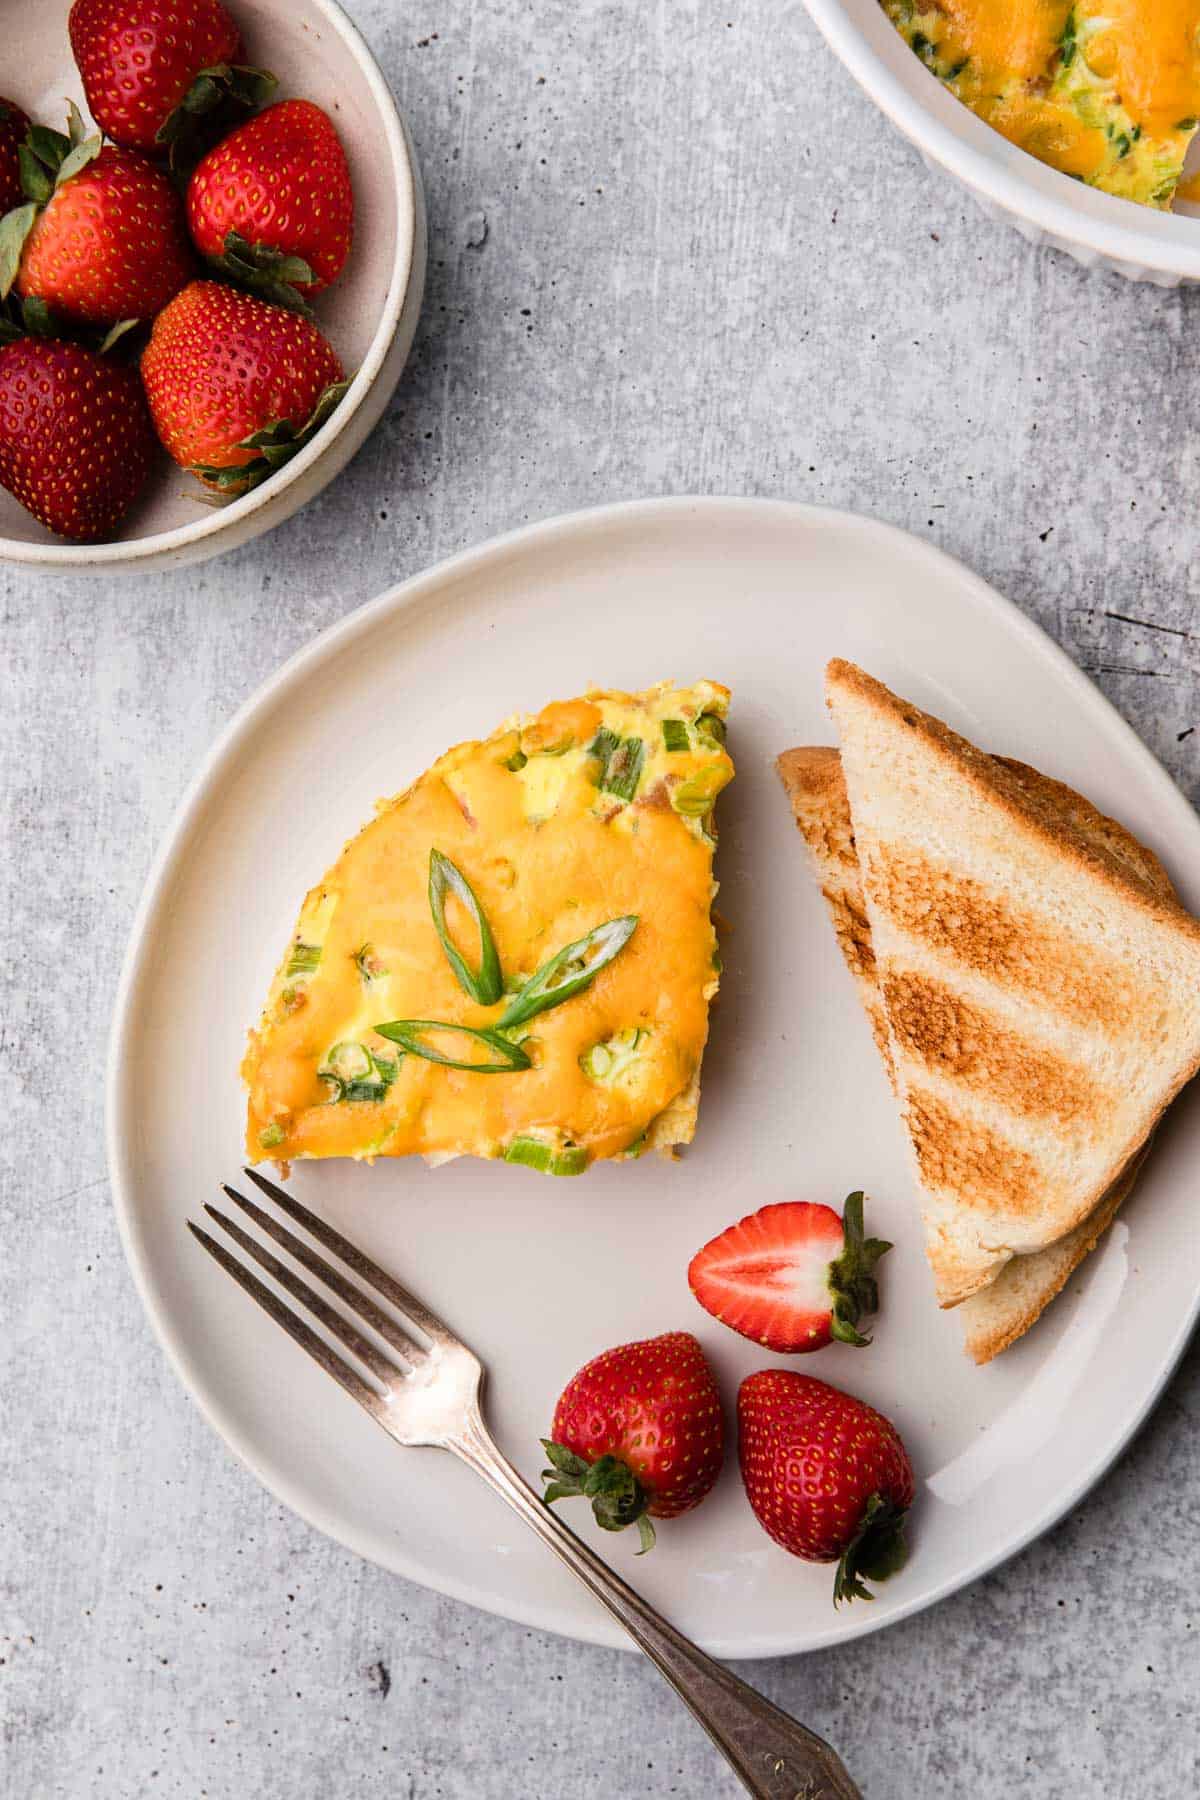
[196, 330]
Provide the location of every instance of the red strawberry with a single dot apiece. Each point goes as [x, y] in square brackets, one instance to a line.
[13, 126]
[235, 386]
[273, 201]
[109, 241]
[639, 1432]
[76, 442]
[827, 1476]
[791, 1276]
[151, 67]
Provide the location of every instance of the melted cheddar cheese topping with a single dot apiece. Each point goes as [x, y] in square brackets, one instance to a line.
[595, 809]
[1108, 91]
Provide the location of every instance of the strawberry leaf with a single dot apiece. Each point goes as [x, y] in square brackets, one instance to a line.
[116, 333]
[852, 1277]
[48, 146]
[15, 227]
[261, 269]
[211, 107]
[78, 157]
[76, 129]
[39, 320]
[275, 444]
[617, 1496]
[876, 1550]
[37, 181]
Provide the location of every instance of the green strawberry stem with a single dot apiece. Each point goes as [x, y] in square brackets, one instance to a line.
[617, 1496]
[852, 1277]
[217, 98]
[876, 1550]
[276, 444]
[271, 274]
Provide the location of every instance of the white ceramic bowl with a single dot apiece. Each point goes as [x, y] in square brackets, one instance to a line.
[370, 313]
[1046, 207]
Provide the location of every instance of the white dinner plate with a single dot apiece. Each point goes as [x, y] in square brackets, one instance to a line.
[539, 1274]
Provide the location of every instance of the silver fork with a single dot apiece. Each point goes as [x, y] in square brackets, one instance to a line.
[431, 1395]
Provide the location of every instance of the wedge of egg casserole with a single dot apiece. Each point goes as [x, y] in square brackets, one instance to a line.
[1105, 90]
[515, 958]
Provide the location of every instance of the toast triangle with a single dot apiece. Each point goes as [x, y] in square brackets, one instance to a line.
[1002, 1312]
[1042, 996]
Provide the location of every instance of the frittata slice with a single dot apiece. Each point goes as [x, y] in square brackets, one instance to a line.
[1105, 90]
[515, 958]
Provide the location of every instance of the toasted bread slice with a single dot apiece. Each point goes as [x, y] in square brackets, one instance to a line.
[1004, 1310]
[1042, 995]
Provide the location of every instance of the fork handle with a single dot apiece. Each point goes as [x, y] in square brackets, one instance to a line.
[775, 1758]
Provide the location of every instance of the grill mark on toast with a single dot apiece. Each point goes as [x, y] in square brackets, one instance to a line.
[971, 1046]
[962, 920]
[964, 1158]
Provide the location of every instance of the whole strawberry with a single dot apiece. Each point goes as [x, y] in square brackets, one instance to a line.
[76, 442]
[13, 127]
[273, 201]
[236, 386]
[638, 1432]
[827, 1476]
[792, 1276]
[104, 236]
[151, 68]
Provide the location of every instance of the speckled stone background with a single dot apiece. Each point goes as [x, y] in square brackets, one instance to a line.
[673, 250]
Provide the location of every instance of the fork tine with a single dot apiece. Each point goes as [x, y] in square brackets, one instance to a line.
[349, 1291]
[347, 1334]
[296, 1329]
[362, 1265]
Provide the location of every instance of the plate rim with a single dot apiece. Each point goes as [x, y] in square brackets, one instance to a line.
[403, 597]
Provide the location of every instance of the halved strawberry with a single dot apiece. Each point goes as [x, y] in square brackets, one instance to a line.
[791, 1276]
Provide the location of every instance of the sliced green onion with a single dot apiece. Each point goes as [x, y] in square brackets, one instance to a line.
[633, 1150]
[535, 1153]
[675, 735]
[271, 1135]
[574, 968]
[367, 963]
[602, 747]
[624, 769]
[484, 985]
[711, 725]
[695, 796]
[303, 959]
[516, 761]
[608, 1062]
[349, 1062]
[409, 1034]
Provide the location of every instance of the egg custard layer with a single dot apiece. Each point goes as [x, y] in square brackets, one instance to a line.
[1105, 90]
[537, 907]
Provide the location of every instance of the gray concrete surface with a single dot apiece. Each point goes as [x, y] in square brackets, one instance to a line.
[674, 250]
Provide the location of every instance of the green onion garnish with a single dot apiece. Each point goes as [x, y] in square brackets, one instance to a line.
[624, 768]
[516, 762]
[410, 1033]
[271, 1135]
[712, 726]
[574, 968]
[572, 1159]
[367, 963]
[602, 747]
[303, 959]
[484, 985]
[675, 735]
